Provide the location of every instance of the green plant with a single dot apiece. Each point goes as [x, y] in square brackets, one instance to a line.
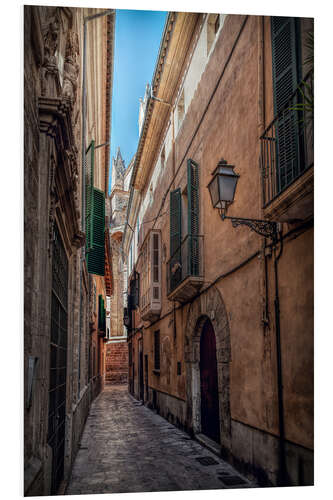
[305, 95]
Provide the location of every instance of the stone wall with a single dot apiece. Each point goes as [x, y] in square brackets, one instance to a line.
[52, 198]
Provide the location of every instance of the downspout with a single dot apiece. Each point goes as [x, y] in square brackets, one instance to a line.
[261, 129]
[282, 478]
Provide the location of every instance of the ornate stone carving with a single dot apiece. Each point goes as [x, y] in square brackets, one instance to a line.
[50, 74]
[71, 67]
[121, 203]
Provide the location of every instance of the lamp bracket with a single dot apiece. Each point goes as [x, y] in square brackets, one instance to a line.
[268, 229]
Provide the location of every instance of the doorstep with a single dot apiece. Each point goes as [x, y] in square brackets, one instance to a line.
[208, 443]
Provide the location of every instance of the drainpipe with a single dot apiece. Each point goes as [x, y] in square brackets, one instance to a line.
[282, 474]
[83, 159]
[283, 479]
[261, 128]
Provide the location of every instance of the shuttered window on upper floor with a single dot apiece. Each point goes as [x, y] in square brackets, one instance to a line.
[285, 70]
[193, 217]
[184, 251]
[285, 48]
[95, 219]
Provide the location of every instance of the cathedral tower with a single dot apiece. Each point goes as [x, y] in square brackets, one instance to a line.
[116, 348]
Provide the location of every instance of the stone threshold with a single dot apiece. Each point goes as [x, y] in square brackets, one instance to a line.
[208, 443]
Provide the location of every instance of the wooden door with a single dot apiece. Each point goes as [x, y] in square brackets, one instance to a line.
[210, 423]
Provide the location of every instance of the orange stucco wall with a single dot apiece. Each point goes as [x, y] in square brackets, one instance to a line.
[223, 122]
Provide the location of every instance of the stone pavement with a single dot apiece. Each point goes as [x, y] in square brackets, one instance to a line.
[126, 448]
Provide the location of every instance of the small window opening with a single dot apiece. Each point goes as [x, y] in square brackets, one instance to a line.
[163, 157]
[181, 108]
[213, 25]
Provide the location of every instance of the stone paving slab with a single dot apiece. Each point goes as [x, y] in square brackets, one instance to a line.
[127, 448]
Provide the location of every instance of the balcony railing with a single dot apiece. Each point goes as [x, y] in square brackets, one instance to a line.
[287, 143]
[186, 262]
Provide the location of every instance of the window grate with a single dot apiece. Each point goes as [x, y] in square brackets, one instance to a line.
[206, 460]
[58, 359]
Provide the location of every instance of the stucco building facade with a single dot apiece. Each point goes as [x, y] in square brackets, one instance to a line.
[66, 119]
[220, 318]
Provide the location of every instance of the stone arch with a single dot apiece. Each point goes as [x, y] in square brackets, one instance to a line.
[209, 305]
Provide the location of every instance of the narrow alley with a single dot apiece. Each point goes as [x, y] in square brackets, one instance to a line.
[126, 447]
[168, 250]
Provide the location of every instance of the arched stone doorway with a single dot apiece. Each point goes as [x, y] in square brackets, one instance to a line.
[209, 306]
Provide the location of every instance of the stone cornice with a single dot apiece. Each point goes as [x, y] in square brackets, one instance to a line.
[55, 114]
[118, 190]
[109, 86]
[170, 66]
[55, 120]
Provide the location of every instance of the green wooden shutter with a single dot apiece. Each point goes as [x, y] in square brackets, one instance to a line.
[193, 217]
[175, 238]
[285, 80]
[96, 254]
[90, 161]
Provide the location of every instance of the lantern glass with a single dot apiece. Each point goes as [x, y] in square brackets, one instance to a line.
[227, 185]
[214, 191]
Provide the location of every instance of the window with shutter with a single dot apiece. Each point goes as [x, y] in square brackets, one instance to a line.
[285, 46]
[193, 218]
[175, 238]
[150, 277]
[96, 254]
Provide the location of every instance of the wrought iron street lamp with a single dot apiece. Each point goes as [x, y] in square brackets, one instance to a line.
[222, 192]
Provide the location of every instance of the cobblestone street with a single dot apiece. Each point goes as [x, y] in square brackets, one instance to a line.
[126, 447]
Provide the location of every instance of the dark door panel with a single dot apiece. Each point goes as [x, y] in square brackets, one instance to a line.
[210, 425]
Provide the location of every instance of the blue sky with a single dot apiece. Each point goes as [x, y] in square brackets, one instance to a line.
[137, 41]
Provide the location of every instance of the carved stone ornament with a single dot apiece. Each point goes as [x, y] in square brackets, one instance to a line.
[121, 203]
[50, 73]
[55, 121]
[71, 67]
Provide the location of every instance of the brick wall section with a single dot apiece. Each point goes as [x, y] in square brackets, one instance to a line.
[116, 363]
